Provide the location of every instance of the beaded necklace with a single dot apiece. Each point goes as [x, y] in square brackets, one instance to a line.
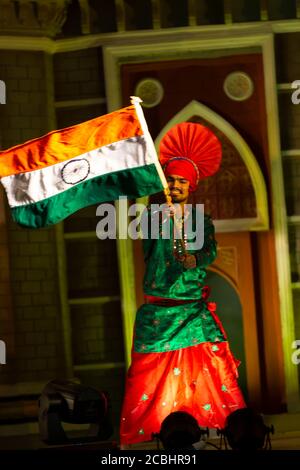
[180, 242]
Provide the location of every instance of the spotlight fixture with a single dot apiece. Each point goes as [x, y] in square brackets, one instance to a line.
[180, 430]
[63, 401]
[245, 430]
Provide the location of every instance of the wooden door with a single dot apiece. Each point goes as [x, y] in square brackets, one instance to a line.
[231, 280]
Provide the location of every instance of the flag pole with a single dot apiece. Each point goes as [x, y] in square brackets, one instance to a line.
[135, 100]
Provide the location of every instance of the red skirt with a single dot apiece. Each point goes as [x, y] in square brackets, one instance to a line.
[201, 380]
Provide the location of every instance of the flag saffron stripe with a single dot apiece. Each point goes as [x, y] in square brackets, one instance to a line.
[65, 144]
[136, 182]
[33, 186]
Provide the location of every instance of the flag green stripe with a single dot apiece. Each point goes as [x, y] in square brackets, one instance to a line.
[132, 183]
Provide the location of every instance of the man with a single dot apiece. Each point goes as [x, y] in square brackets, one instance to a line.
[181, 359]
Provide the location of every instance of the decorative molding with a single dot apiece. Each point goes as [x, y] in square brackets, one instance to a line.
[280, 224]
[238, 86]
[33, 18]
[286, 26]
[199, 33]
[42, 18]
[27, 43]
[227, 256]
[150, 90]
[261, 222]
[115, 56]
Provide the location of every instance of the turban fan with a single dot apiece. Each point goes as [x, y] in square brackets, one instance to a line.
[190, 150]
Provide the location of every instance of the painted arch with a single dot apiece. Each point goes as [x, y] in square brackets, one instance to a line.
[261, 221]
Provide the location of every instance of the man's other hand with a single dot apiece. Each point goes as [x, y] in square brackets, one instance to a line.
[189, 261]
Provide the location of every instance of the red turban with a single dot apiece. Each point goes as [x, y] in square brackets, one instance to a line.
[185, 168]
[192, 151]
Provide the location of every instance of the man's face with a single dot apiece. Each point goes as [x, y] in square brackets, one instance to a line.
[179, 188]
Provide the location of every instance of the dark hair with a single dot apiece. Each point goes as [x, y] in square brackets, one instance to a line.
[245, 430]
[179, 430]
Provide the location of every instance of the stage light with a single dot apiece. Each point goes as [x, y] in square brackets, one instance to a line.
[63, 401]
[180, 430]
[245, 430]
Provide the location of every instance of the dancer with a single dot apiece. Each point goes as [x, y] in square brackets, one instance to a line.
[181, 360]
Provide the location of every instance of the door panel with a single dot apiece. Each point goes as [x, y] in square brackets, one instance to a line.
[230, 312]
[234, 264]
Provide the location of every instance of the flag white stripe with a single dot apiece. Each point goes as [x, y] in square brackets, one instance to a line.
[34, 186]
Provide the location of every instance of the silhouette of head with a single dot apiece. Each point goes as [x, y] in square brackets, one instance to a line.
[179, 430]
[245, 430]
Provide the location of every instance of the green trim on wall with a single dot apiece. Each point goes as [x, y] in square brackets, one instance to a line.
[127, 284]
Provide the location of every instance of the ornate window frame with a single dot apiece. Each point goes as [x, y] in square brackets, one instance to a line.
[261, 222]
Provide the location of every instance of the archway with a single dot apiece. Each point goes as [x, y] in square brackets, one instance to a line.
[195, 110]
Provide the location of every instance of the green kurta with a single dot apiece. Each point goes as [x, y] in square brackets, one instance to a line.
[181, 360]
[167, 327]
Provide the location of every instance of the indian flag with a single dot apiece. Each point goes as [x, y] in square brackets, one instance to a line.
[49, 178]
